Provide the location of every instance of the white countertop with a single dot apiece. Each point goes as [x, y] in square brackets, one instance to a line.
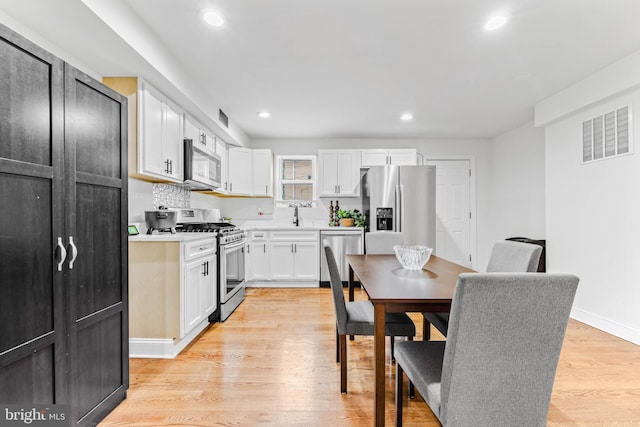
[168, 237]
[319, 225]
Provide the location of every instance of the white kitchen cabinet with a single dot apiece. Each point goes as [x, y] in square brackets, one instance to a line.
[283, 265]
[381, 157]
[339, 173]
[239, 171]
[160, 135]
[294, 255]
[199, 134]
[222, 150]
[173, 290]
[306, 260]
[284, 256]
[262, 173]
[199, 292]
[258, 267]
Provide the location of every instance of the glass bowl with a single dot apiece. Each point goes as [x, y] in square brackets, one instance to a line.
[412, 257]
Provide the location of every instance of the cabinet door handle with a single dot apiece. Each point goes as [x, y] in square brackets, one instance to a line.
[166, 169]
[264, 248]
[61, 252]
[231, 186]
[74, 252]
[266, 189]
[204, 268]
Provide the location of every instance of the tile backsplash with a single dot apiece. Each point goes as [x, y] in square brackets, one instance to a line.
[171, 196]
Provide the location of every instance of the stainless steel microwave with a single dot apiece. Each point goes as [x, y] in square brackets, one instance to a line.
[202, 169]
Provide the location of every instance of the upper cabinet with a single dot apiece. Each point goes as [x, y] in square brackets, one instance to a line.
[156, 131]
[381, 157]
[244, 172]
[239, 171]
[199, 134]
[339, 173]
[262, 181]
[223, 151]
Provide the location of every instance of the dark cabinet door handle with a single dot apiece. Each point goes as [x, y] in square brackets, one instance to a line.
[74, 252]
[61, 253]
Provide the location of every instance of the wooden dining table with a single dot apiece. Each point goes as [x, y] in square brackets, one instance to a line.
[394, 289]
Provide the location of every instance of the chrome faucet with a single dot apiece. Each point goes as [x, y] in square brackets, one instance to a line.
[296, 219]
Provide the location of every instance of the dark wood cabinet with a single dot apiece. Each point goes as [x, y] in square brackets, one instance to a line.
[63, 240]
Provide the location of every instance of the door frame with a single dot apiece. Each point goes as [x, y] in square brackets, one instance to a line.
[472, 197]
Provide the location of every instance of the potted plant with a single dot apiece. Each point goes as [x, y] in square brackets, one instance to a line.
[351, 218]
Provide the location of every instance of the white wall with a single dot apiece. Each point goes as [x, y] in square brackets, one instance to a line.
[516, 184]
[593, 209]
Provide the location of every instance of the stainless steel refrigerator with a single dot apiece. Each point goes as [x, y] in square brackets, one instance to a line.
[401, 198]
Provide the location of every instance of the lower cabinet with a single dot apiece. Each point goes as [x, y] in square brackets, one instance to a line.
[284, 256]
[172, 291]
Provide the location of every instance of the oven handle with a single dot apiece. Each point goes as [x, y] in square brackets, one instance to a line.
[234, 245]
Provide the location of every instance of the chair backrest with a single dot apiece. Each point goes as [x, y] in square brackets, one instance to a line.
[336, 288]
[382, 242]
[514, 257]
[503, 345]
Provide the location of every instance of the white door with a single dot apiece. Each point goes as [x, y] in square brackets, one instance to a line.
[209, 286]
[328, 173]
[403, 157]
[258, 261]
[307, 260]
[239, 171]
[172, 140]
[348, 173]
[282, 261]
[262, 172]
[191, 310]
[453, 214]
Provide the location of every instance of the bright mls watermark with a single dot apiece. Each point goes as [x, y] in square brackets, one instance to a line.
[35, 415]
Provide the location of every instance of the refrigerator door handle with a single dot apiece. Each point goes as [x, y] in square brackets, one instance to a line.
[398, 209]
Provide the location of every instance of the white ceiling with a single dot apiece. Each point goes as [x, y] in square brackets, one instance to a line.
[349, 68]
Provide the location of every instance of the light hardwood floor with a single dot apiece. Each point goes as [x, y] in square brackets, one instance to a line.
[273, 363]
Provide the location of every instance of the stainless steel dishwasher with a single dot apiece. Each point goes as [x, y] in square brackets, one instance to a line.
[342, 242]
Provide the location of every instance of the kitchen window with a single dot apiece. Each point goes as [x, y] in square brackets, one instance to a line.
[296, 179]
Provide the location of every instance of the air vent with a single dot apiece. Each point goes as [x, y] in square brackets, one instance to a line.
[223, 118]
[606, 136]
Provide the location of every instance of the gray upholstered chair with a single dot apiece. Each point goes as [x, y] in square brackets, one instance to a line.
[356, 318]
[506, 257]
[382, 242]
[498, 364]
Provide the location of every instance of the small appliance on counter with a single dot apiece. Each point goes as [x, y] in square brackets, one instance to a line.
[162, 219]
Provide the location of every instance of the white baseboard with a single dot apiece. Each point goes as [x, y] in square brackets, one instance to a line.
[274, 284]
[163, 348]
[612, 327]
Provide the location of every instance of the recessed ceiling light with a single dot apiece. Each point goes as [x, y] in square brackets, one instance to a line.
[213, 19]
[495, 22]
[264, 114]
[406, 117]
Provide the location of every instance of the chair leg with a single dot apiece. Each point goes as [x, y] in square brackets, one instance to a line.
[399, 387]
[393, 340]
[412, 393]
[426, 329]
[343, 364]
[337, 346]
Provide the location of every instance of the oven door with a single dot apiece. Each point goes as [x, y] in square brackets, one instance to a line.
[232, 267]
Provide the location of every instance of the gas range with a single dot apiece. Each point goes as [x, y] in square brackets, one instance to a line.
[193, 221]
